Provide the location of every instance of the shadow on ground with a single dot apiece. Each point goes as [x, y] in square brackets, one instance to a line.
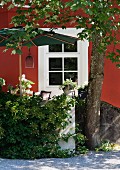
[100, 160]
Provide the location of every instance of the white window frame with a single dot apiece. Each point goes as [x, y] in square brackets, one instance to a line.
[62, 71]
[44, 54]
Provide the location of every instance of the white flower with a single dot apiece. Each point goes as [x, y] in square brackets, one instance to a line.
[85, 83]
[23, 78]
[2, 81]
[29, 86]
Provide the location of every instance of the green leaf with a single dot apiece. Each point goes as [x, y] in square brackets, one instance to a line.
[17, 51]
[10, 6]
[13, 51]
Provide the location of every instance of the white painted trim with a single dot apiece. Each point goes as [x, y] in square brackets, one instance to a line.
[41, 68]
[83, 62]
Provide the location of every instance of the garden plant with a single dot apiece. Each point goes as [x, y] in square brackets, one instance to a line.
[30, 129]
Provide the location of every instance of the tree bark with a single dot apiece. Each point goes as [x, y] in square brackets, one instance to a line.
[92, 111]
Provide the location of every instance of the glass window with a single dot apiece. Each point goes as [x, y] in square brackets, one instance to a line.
[55, 78]
[70, 64]
[55, 48]
[70, 48]
[71, 75]
[55, 64]
[63, 48]
[62, 67]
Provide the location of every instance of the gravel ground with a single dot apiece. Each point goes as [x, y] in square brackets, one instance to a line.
[100, 160]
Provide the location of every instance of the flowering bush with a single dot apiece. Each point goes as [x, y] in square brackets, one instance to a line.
[68, 83]
[26, 85]
[12, 89]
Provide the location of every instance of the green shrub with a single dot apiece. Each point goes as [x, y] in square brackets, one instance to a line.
[29, 128]
[105, 146]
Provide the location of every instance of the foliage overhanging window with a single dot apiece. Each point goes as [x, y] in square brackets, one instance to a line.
[62, 67]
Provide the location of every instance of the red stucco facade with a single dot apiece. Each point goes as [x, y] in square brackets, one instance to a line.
[9, 68]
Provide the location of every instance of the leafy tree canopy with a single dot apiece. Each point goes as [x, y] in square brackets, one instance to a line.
[102, 18]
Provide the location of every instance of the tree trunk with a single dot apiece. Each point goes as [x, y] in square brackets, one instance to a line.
[92, 112]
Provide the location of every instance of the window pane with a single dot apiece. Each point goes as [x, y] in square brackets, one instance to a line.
[55, 48]
[71, 75]
[70, 48]
[70, 64]
[55, 64]
[55, 78]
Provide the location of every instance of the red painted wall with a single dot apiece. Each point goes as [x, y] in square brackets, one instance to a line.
[9, 67]
[111, 83]
[31, 73]
[5, 17]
